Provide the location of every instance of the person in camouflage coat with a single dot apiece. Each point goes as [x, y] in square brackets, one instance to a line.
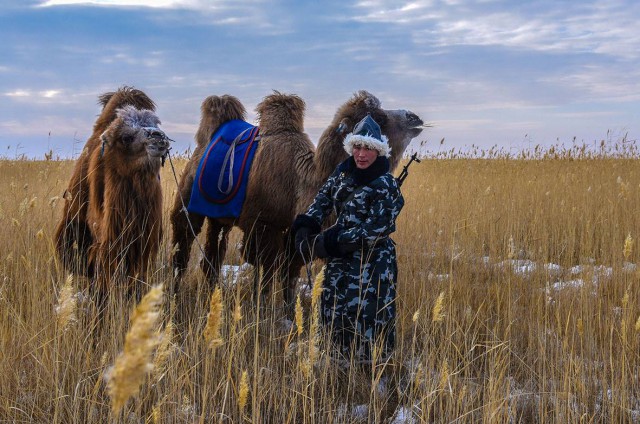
[358, 298]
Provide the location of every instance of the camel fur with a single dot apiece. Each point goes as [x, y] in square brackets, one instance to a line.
[286, 175]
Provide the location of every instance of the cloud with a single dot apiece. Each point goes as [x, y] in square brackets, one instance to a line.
[259, 16]
[18, 93]
[218, 6]
[133, 3]
[123, 56]
[599, 82]
[603, 28]
[47, 96]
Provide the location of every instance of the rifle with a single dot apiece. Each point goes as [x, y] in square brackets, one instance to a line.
[405, 170]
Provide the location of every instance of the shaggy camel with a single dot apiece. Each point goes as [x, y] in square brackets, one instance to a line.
[113, 209]
[287, 173]
[73, 236]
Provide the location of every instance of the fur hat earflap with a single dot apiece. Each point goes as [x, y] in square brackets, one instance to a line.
[367, 132]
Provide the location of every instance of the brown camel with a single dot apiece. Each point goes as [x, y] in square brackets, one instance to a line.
[287, 173]
[117, 196]
[73, 237]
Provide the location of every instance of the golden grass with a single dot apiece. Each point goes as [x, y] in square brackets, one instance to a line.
[519, 301]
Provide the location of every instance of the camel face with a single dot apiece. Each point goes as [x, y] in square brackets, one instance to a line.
[134, 137]
[403, 126]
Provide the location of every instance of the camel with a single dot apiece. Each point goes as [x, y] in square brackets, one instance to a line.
[113, 209]
[73, 236]
[286, 175]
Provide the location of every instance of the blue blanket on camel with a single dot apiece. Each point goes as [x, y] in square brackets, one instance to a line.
[220, 186]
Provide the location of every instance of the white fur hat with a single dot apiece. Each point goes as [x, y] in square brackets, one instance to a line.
[367, 132]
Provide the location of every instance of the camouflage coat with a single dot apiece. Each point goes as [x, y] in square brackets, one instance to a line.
[358, 298]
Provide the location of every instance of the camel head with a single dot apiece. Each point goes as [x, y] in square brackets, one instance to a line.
[114, 100]
[133, 141]
[281, 112]
[400, 126]
[215, 111]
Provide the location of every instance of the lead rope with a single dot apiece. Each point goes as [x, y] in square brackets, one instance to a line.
[229, 158]
[186, 212]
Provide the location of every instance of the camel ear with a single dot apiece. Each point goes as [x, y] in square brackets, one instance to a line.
[344, 126]
[104, 142]
[104, 139]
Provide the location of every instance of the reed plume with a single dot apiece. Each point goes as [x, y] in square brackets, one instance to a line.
[165, 349]
[312, 351]
[131, 366]
[237, 313]
[317, 287]
[243, 391]
[67, 302]
[214, 320]
[437, 314]
[299, 317]
[628, 247]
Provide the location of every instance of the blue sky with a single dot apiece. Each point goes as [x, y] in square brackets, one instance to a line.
[485, 72]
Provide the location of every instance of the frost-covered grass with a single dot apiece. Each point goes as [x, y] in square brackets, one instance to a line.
[519, 301]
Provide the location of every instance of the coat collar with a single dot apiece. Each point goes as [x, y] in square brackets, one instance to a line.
[364, 176]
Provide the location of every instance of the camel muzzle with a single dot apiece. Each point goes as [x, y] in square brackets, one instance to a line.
[158, 142]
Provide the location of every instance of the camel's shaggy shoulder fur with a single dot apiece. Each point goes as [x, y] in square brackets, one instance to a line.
[284, 147]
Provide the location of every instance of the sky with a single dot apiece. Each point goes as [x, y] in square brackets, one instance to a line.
[512, 74]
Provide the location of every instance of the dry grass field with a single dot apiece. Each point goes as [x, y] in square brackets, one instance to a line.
[519, 301]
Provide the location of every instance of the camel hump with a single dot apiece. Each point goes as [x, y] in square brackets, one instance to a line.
[367, 98]
[279, 111]
[126, 96]
[112, 101]
[223, 108]
[361, 104]
[217, 110]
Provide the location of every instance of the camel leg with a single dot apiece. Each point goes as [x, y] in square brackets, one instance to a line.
[101, 279]
[185, 227]
[215, 249]
[73, 239]
[289, 273]
[262, 246]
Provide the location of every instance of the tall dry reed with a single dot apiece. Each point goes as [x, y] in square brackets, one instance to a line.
[518, 301]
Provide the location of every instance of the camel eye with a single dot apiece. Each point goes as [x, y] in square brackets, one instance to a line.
[413, 118]
[127, 139]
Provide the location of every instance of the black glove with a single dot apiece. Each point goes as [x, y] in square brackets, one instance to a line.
[302, 236]
[302, 229]
[335, 249]
[330, 241]
[303, 220]
[318, 249]
[310, 246]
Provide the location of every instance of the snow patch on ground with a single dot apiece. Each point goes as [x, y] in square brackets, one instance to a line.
[231, 273]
